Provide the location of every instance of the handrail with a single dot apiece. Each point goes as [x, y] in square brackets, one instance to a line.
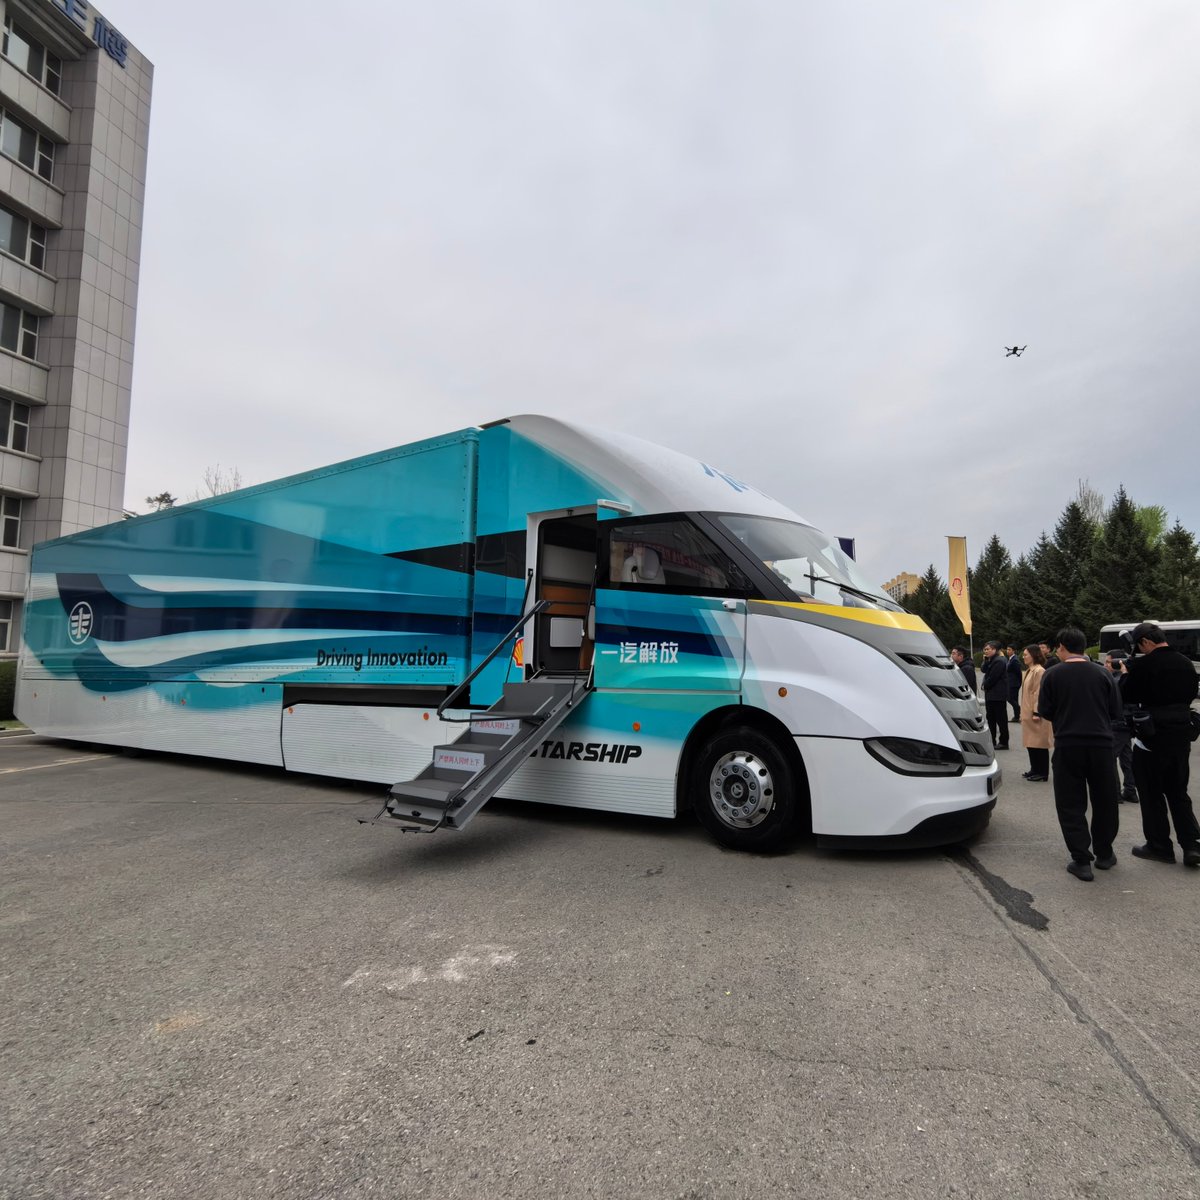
[540, 606]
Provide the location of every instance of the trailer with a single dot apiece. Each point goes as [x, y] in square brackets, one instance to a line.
[531, 609]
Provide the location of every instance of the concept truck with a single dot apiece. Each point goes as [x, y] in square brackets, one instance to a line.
[531, 609]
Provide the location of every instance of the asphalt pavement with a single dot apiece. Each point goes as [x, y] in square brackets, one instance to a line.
[215, 983]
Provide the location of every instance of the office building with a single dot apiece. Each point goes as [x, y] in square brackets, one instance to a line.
[902, 585]
[74, 126]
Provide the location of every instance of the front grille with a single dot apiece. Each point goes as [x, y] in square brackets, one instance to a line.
[942, 682]
[928, 660]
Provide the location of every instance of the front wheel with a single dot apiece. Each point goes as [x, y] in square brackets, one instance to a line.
[744, 791]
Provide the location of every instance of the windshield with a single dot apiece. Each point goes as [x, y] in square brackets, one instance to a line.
[809, 562]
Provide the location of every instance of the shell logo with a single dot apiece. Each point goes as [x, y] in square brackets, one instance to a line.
[79, 623]
[518, 654]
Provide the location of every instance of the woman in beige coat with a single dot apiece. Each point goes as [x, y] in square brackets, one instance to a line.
[1036, 733]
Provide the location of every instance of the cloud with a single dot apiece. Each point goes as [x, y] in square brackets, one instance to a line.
[789, 240]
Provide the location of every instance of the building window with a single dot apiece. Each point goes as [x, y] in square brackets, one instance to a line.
[10, 521]
[27, 54]
[14, 424]
[18, 331]
[22, 239]
[26, 145]
[7, 613]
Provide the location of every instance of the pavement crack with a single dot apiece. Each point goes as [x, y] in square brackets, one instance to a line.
[1186, 1141]
[1016, 902]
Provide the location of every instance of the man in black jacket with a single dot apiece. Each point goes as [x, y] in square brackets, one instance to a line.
[995, 693]
[1080, 699]
[1164, 682]
[967, 667]
[1014, 681]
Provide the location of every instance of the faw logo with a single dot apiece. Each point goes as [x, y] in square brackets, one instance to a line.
[79, 623]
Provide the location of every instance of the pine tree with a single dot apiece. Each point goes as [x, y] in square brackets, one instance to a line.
[931, 602]
[1025, 623]
[1063, 567]
[1036, 597]
[1175, 589]
[1120, 581]
[991, 601]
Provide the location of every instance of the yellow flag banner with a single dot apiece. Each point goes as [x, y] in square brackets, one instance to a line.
[960, 593]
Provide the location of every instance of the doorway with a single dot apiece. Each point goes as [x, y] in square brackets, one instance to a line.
[565, 575]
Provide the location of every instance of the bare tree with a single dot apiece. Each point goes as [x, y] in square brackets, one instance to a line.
[1091, 502]
[217, 481]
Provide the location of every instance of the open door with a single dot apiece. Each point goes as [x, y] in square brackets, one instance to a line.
[564, 574]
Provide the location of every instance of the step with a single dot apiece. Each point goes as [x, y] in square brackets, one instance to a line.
[418, 805]
[500, 727]
[471, 745]
[414, 820]
[537, 689]
[532, 698]
[463, 775]
[463, 762]
[436, 791]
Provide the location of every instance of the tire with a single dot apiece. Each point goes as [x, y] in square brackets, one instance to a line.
[744, 791]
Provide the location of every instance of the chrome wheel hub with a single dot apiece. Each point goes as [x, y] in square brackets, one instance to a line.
[741, 790]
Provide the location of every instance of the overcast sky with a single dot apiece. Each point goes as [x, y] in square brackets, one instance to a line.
[789, 239]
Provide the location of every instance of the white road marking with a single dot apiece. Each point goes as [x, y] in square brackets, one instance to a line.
[456, 969]
[58, 762]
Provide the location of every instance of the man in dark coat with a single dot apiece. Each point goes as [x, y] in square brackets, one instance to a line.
[1164, 682]
[995, 693]
[967, 667]
[1014, 682]
[1122, 734]
[1080, 699]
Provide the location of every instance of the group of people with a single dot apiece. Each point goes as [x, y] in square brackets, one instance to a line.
[1133, 711]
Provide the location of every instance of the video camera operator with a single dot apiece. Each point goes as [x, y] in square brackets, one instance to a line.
[1122, 735]
[1165, 683]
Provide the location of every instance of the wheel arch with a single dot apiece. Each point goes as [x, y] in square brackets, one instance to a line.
[728, 717]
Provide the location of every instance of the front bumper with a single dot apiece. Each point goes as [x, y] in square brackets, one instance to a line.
[943, 829]
[856, 800]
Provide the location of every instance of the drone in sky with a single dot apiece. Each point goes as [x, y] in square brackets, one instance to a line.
[1010, 351]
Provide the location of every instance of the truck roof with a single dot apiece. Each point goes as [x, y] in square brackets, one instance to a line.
[645, 475]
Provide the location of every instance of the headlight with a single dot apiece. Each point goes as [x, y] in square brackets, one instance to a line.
[907, 756]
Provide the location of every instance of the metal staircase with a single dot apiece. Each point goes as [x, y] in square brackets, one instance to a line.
[465, 774]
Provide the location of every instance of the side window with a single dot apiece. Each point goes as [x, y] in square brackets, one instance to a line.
[672, 555]
[1186, 641]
